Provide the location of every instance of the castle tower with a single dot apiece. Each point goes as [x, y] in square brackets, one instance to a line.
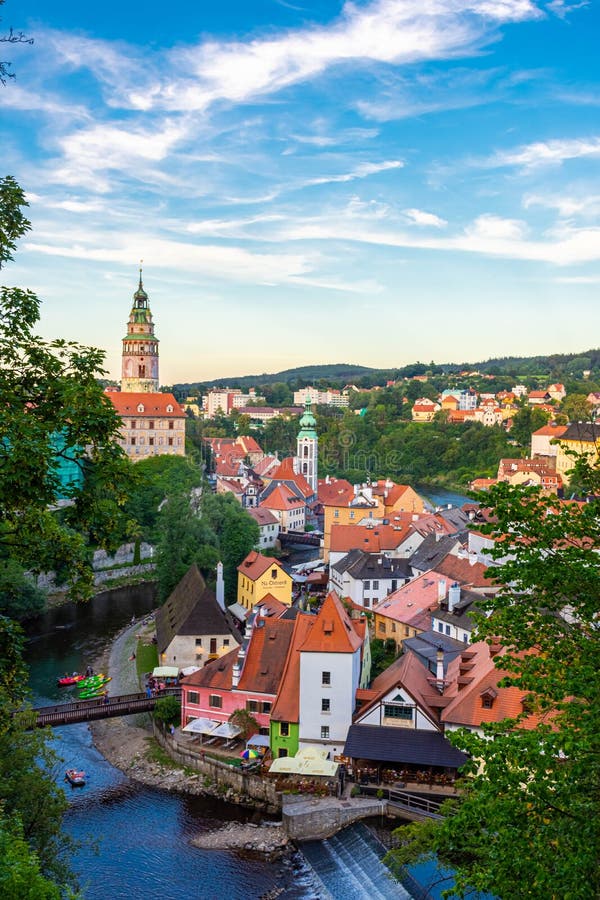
[308, 446]
[139, 367]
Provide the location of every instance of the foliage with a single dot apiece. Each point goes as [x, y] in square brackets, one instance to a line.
[20, 597]
[526, 825]
[527, 420]
[185, 537]
[33, 802]
[383, 654]
[20, 875]
[237, 534]
[159, 477]
[245, 721]
[167, 710]
[49, 389]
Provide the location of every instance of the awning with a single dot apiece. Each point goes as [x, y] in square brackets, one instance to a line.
[189, 670]
[295, 765]
[165, 672]
[226, 730]
[394, 744]
[311, 753]
[258, 740]
[240, 612]
[200, 726]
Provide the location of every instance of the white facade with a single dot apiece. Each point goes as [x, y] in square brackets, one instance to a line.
[330, 397]
[449, 629]
[397, 709]
[328, 684]
[364, 592]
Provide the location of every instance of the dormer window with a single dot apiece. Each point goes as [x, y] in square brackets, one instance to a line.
[141, 408]
[170, 408]
[487, 698]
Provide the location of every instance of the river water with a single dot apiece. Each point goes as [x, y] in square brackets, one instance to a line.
[135, 841]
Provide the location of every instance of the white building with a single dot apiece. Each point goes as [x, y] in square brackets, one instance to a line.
[330, 673]
[268, 526]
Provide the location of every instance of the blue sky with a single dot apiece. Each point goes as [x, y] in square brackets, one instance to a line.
[374, 182]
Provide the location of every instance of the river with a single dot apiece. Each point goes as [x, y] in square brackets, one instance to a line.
[135, 841]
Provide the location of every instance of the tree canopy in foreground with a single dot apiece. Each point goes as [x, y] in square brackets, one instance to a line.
[527, 823]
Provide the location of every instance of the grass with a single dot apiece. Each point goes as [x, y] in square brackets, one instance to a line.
[146, 658]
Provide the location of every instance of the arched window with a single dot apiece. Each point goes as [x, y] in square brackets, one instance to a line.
[304, 468]
[306, 449]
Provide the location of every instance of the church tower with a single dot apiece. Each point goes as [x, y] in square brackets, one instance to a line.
[308, 446]
[139, 367]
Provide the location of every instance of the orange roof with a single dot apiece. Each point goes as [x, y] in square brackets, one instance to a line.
[333, 630]
[467, 573]
[414, 677]
[248, 444]
[262, 516]
[256, 565]
[266, 655]
[153, 404]
[554, 431]
[287, 705]
[264, 465]
[285, 472]
[271, 606]
[473, 675]
[335, 492]
[370, 539]
[281, 497]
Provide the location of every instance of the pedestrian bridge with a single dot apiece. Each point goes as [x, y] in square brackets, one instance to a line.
[98, 708]
[296, 538]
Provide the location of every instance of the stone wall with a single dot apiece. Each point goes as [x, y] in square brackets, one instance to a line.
[322, 819]
[256, 789]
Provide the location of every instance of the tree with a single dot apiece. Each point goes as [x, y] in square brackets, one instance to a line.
[11, 37]
[20, 597]
[527, 420]
[526, 824]
[237, 534]
[185, 537]
[245, 721]
[50, 389]
[576, 408]
[167, 711]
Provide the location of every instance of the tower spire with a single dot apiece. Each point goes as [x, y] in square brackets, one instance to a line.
[139, 366]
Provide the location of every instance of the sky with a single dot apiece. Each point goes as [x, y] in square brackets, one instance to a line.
[309, 181]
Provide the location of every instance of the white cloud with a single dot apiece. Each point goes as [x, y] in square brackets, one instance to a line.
[419, 217]
[562, 8]
[387, 31]
[567, 207]
[545, 153]
[363, 170]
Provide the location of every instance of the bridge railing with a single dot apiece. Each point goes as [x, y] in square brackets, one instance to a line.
[424, 805]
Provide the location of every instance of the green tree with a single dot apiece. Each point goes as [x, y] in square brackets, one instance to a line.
[167, 711]
[526, 824]
[20, 875]
[237, 534]
[527, 420]
[48, 389]
[20, 597]
[576, 408]
[185, 537]
[245, 721]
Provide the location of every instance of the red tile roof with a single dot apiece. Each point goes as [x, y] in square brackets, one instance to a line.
[287, 706]
[256, 565]
[262, 516]
[154, 404]
[335, 492]
[333, 631]
[282, 498]
[285, 472]
[370, 539]
[413, 602]
[266, 655]
[469, 574]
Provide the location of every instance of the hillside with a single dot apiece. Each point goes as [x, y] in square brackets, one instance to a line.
[554, 367]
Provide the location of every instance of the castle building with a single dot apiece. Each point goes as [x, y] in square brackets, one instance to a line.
[139, 366]
[308, 447]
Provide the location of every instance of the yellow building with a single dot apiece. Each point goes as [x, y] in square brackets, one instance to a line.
[350, 510]
[582, 438]
[260, 575]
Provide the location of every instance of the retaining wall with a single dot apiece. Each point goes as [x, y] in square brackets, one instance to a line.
[258, 789]
[306, 822]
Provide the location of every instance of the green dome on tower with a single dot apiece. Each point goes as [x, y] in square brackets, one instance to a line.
[308, 423]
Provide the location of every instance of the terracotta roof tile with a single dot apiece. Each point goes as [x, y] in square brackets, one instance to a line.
[256, 564]
[333, 631]
[154, 404]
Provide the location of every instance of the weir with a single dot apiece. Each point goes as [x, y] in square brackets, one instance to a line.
[349, 866]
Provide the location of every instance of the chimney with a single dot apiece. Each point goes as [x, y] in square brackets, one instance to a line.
[439, 670]
[235, 674]
[441, 590]
[453, 596]
[220, 586]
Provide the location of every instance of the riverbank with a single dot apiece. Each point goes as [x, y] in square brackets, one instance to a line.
[128, 744]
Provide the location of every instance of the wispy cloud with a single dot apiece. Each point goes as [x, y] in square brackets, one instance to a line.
[544, 153]
[567, 207]
[363, 170]
[420, 217]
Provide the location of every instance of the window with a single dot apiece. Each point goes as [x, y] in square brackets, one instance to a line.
[171, 424]
[266, 707]
[367, 603]
[325, 704]
[393, 628]
[394, 584]
[151, 423]
[325, 732]
[215, 700]
[192, 696]
[382, 627]
[375, 585]
[367, 586]
[325, 677]
[396, 711]
[284, 729]
[282, 752]
[352, 514]
[151, 441]
[273, 574]
[198, 642]
[226, 642]
[170, 442]
[252, 705]
[133, 442]
[441, 627]
[406, 631]
[133, 424]
[487, 702]
[336, 514]
[448, 629]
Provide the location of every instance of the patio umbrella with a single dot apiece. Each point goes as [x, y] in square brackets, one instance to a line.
[249, 754]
